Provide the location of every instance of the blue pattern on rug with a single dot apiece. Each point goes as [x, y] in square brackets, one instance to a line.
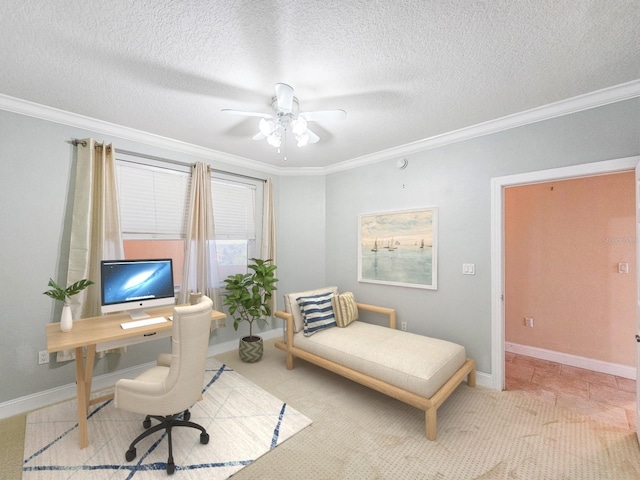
[224, 390]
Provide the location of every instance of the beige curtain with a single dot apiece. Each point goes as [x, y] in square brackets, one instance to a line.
[200, 274]
[268, 248]
[95, 225]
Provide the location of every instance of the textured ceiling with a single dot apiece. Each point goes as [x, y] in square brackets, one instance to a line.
[403, 70]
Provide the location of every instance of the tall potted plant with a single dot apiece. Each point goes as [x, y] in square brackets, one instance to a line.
[247, 297]
[64, 295]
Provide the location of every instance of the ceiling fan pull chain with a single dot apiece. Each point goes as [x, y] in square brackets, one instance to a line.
[285, 145]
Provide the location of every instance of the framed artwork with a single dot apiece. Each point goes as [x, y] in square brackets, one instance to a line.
[399, 248]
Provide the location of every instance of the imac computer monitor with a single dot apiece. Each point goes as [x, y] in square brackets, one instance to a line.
[134, 285]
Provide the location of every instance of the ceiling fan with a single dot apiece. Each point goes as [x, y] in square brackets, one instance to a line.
[287, 116]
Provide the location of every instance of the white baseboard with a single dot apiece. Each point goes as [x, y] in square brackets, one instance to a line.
[624, 371]
[66, 392]
[484, 379]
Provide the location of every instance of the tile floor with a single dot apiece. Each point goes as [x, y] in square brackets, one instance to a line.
[604, 397]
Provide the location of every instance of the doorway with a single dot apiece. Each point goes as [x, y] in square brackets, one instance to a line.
[566, 245]
[498, 248]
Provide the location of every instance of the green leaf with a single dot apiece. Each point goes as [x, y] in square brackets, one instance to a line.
[77, 287]
[246, 294]
[59, 293]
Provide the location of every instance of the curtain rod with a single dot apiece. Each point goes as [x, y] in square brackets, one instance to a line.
[77, 142]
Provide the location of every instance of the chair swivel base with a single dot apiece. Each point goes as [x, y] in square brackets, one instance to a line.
[166, 423]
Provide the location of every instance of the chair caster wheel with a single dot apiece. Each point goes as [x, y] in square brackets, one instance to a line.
[204, 438]
[171, 467]
[186, 416]
[131, 454]
[146, 423]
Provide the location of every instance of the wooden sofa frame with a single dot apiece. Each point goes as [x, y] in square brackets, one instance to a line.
[428, 405]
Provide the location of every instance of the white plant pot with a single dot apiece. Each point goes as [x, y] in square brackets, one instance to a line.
[66, 320]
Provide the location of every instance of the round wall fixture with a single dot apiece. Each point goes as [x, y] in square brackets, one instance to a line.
[402, 163]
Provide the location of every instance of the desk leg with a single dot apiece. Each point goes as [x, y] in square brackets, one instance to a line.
[84, 375]
[88, 372]
[82, 398]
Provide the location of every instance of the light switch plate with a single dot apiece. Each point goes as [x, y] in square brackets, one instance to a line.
[468, 268]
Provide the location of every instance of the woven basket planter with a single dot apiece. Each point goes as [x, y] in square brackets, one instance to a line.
[250, 349]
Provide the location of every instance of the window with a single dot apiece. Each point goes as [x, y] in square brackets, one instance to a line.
[154, 201]
[234, 205]
[154, 209]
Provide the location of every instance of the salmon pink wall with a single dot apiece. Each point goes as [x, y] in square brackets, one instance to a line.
[563, 243]
[144, 249]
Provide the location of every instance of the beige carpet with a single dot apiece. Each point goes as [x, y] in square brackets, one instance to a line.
[360, 434]
[482, 434]
[12, 446]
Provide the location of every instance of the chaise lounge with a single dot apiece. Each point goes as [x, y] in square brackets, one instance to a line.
[417, 370]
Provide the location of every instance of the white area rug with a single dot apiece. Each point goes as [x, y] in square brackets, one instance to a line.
[243, 421]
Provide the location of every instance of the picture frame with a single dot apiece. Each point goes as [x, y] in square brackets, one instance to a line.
[399, 248]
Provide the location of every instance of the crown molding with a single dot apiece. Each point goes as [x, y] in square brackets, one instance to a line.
[587, 101]
[43, 112]
[598, 98]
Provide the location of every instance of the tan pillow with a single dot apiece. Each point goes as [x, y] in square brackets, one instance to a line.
[345, 309]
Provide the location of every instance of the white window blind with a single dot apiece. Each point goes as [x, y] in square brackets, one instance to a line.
[234, 206]
[153, 201]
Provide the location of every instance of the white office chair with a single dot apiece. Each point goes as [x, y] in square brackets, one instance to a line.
[175, 384]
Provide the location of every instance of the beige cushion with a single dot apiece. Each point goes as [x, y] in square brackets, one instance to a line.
[291, 304]
[409, 361]
[164, 360]
[176, 382]
[345, 308]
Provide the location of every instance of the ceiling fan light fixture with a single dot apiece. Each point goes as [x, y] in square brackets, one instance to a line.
[303, 139]
[299, 126]
[287, 117]
[266, 127]
[274, 140]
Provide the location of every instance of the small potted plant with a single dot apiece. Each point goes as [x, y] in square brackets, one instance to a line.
[248, 298]
[64, 295]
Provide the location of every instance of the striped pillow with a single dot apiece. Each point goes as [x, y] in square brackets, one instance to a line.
[345, 309]
[317, 312]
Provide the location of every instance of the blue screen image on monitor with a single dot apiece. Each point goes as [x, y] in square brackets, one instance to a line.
[132, 285]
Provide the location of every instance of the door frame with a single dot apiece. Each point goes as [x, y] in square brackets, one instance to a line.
[498, 184]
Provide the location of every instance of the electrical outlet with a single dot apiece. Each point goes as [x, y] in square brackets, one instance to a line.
[43, 357]
[403, 326]
[528, 322]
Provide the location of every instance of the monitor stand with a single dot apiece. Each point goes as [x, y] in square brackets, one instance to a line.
[138, 314]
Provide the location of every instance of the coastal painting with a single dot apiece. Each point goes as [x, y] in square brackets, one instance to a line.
[398, 248]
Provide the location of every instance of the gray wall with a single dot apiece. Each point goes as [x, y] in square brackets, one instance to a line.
[301, 234]
[456, 179]
[316, 218]
[37, 166]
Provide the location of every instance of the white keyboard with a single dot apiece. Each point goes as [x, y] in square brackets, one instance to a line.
[143, 323]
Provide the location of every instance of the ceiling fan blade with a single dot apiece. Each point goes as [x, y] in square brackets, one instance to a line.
[258, 136]
[284, 96]
[313, 138]
[247, 114]
[324, 115]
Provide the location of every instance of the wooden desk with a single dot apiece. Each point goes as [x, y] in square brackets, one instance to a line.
[89, 332]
